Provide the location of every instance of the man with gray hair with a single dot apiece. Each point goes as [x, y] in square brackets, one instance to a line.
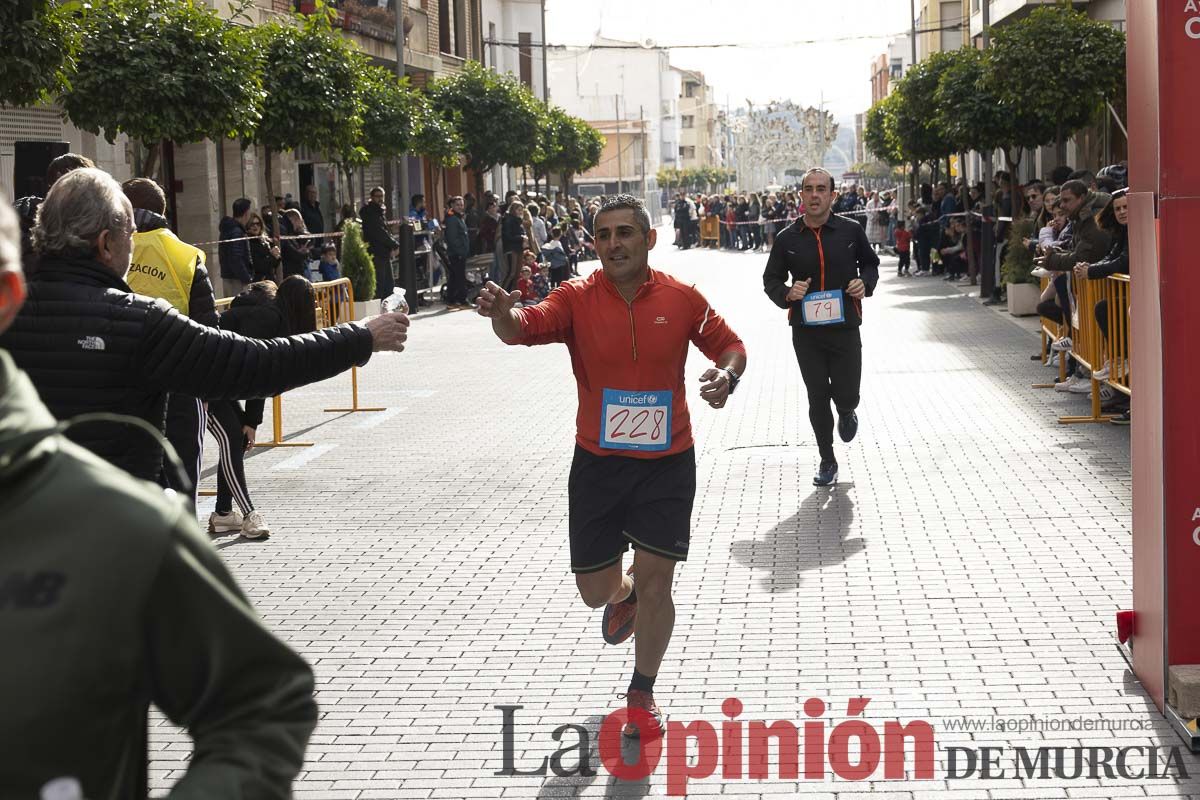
[96, 639]
[633, 476]
[91, 345]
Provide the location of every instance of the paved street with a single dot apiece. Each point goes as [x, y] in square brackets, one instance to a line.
[968, 565]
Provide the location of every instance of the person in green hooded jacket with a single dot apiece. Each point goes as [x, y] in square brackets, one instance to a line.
[110, 600]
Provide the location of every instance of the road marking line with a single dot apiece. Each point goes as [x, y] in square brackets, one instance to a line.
[377, 418]
[300, 459]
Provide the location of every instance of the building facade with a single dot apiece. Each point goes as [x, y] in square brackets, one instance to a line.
[629, 83]
[203, 179]
[699, 143]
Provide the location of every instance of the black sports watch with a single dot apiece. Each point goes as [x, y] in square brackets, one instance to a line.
[733, 378]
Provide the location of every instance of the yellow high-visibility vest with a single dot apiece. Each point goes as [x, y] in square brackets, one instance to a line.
[163, 267]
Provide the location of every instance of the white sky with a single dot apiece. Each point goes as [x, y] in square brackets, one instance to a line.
[775, 64]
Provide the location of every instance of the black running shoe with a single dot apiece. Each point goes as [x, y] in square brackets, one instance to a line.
[847, 425]
[827, 475]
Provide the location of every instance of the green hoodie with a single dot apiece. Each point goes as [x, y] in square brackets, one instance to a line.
[111, 599]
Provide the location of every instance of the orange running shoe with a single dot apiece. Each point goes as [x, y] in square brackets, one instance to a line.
[644, 701]
[619, 618]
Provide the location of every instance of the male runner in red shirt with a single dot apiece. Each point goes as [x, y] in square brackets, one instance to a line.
[633, 478]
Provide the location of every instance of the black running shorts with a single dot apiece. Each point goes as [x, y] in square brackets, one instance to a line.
[618, 500]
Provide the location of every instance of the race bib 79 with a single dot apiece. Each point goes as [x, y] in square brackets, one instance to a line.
[823, 308]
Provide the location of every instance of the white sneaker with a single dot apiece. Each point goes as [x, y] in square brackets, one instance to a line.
[1103, 372]
[1081, 386]
[255, 527]
[1107, 393]
[1065, 386]
[224, 523]
[1063, 345]
[1040, 272]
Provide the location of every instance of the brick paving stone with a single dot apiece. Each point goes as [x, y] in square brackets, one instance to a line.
[968, 565]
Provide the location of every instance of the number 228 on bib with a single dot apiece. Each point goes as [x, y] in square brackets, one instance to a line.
[635, 420]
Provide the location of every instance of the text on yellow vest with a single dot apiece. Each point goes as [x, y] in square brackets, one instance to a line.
[163, 267]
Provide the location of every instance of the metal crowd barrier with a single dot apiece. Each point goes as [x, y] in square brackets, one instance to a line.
[710, 230]
[1052, 332]
[335, 305]
[1089, 345]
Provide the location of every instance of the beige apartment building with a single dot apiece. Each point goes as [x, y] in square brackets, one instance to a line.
[699, 140]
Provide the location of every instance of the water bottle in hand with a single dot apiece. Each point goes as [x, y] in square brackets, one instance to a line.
[396, 301]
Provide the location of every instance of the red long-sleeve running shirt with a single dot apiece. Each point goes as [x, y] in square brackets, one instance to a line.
[638, 346]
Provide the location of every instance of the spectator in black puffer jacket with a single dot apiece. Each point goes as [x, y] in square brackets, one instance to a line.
[90, 345]
[234, 250]
[263, 311]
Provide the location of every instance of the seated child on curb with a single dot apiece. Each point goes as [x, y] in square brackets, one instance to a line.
[541, 282]
[525, 287]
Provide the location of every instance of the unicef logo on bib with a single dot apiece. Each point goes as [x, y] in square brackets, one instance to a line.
[635, 420]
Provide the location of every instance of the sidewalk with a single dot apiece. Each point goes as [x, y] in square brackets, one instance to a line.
[968, 565]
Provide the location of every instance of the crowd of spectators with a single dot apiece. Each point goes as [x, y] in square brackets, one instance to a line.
[108, 334]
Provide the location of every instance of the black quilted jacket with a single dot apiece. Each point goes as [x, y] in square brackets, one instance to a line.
[90, 344]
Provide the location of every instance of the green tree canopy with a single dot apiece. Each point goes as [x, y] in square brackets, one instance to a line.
[497, 119]
[879, 133]
[918, 134]
[390, 113]
[1079, 63]
[163, 69]
[435, 138]
[314, 97]
[569, 145]
[38, 39]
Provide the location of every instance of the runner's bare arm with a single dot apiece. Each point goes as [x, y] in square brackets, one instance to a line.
[497, 304]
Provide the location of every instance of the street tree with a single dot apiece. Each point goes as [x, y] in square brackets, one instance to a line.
[577, 147]
[879, 132]
[1078, 63]
[163, 70]
[314, 96]
[918, 134]
[434, 137]
[497, 119]
[38, 40]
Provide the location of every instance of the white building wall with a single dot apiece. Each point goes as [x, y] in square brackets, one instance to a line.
[512, 18]
[599, 85]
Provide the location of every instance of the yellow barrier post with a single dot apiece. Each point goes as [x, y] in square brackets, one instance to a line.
[337, 298]
[1117, 346]
[1087, 345]
[276, 410]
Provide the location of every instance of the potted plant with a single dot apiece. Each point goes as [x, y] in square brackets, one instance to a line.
[1023, 289]
[358, 266]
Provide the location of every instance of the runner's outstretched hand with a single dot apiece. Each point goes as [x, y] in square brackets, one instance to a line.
[494, 302]
[715, 390]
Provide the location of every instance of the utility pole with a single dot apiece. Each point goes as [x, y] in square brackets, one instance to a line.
[402, 162]
[545, 68]
[912, 13]
[617, 108]
[642, 145]
[989, 282]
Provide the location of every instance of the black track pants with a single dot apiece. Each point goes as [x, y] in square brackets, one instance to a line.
[830, 361]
